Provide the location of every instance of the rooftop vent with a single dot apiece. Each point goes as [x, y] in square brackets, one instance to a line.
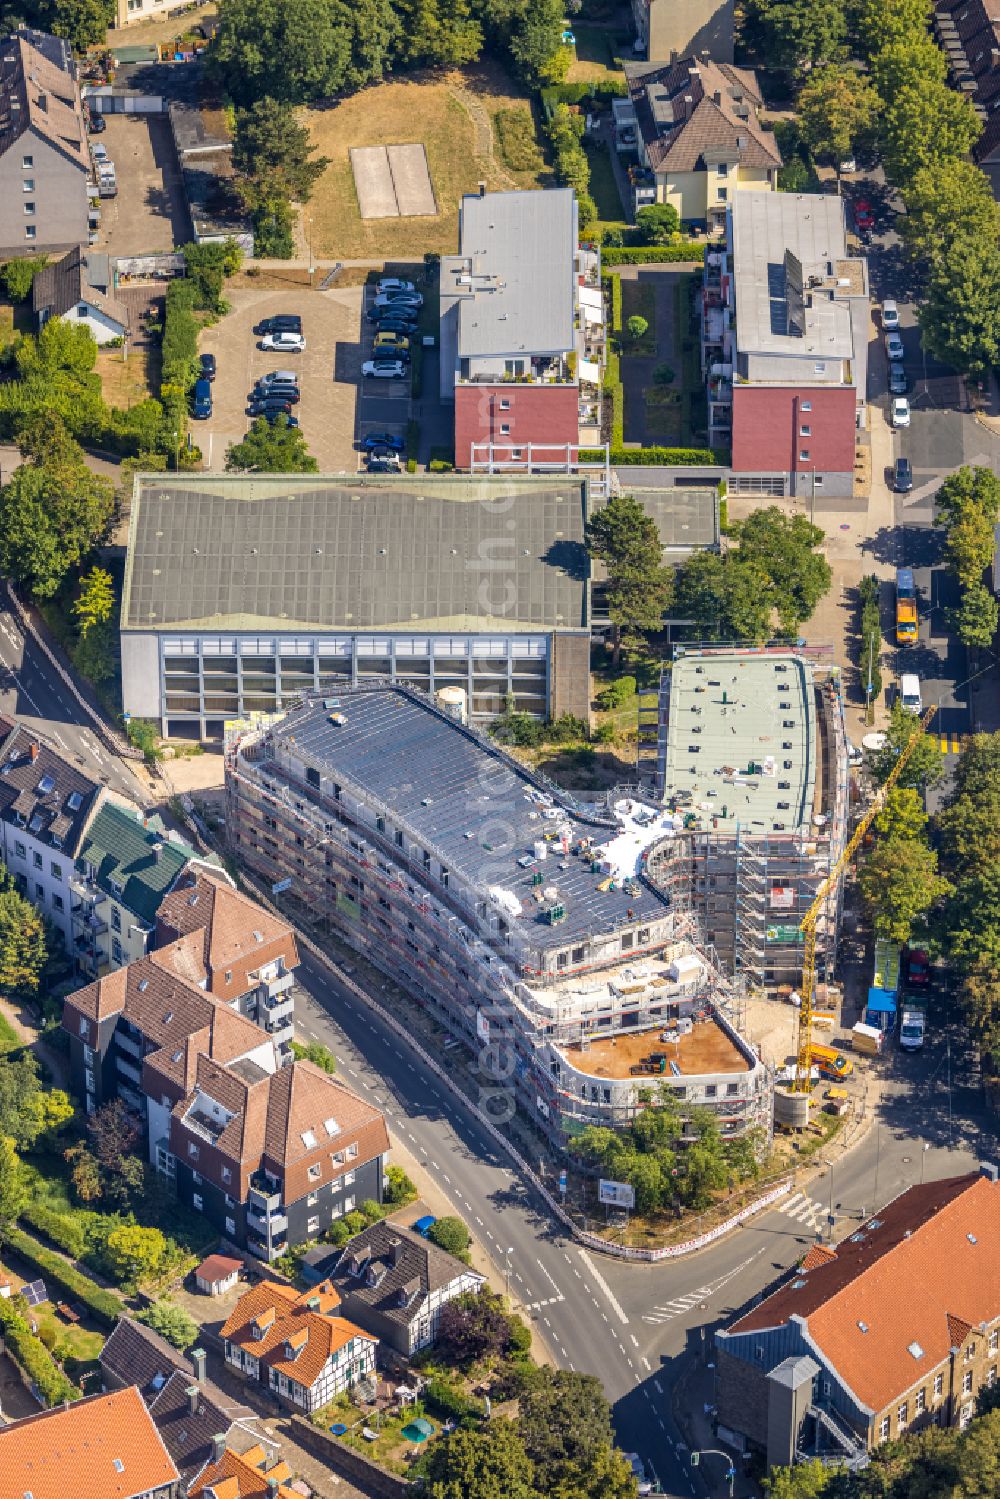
[143, 985]
[74, 801]
[46, 784]
[915, 1349]
[863, 1326]
[971, 1238]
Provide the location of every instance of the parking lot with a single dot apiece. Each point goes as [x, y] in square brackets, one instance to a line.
[149, 214]
[329, 371]
[383, 405]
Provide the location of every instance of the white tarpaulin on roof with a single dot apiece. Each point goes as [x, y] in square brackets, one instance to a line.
[592, 314]
[590, 296]
[590, 371]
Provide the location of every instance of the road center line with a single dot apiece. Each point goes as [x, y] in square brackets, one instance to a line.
[615, 1306]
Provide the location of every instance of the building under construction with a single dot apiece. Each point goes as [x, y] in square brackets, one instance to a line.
[753, 765]
[525, 924]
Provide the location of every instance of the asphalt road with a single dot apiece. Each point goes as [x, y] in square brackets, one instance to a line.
[32, 692]
[638, 1326]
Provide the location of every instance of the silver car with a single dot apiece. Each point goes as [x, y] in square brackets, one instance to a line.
[898, 383]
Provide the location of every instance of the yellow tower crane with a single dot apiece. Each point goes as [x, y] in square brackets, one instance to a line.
[807, 926]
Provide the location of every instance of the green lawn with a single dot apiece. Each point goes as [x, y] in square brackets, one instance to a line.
[9, 1039]
[604, 188]
[638, 300]
[595, 54]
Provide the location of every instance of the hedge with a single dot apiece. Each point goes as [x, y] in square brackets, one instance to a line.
[660, 457]
[60, 1228]
[34, 1358]
[576, 93]
[651, 254]
[612, 386]
[180, 335]
[616, 303]
[103, 1305]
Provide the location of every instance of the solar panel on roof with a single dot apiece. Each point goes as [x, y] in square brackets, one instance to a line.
[35, 1293]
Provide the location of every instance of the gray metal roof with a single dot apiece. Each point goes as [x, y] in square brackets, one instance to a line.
[282, 553]
[520, 250]
[472, 802]
[685, 518]
[728, 712]
[764, 227]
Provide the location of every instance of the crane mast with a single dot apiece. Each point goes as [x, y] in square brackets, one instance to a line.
[809, 922]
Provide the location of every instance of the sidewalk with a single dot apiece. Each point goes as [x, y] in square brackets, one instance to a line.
[692, 1402]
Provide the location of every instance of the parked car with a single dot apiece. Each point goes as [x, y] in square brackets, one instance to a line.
[285, 322]
[847, 166]
[909, 693]
[382, 440]
[391, 284]
[405, 326]
[894, 346]
[207, 363]
[890, 315]
[96, 124]
[898, 383]
[277, 390]
[278, 377]
[266, 407]
[902, 476]
[388, 338]
[864, 215]
[900, 411]
[411, 301]
[201, 407]
[384, 461]
[643, 1484]
[424, 1225]
[284, 342]
[290, 419]
[383, 369]
[99, 152]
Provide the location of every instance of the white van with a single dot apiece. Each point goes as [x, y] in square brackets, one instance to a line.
[909, 693]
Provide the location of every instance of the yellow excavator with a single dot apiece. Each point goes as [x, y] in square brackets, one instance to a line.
[807, 926]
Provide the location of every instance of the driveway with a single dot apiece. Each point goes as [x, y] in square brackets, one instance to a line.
[328, 371]
[149, 214]
[383, 404]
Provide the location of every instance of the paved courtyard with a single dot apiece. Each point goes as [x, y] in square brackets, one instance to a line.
[149, 214]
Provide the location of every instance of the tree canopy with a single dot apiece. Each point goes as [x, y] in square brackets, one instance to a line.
[626, 540]
[489, 1463]
[271, 449]
[801, 34]
[925, 766]
[837, 106]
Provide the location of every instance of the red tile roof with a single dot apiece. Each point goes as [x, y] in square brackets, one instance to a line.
[902, 1291]
[284, 1318]
[242, 1476]
[217, 1267]
[106, 1447]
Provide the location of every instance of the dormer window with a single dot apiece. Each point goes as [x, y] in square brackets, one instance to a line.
[46, 785]
[117, 890]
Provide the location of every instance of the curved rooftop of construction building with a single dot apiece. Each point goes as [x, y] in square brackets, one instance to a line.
[741, 741]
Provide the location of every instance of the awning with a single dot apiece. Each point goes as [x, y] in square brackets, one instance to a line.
[590, 371]
[593, 315]
[590, 296]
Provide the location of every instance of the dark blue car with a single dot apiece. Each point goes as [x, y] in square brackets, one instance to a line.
[202, 406]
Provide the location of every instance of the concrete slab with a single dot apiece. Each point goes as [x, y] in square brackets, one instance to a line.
[412, 181]
[373, 180]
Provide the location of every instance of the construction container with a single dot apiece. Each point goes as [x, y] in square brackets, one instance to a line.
[685, 968]
[867, 1039]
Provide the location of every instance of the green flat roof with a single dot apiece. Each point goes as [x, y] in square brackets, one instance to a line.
[123, 848]
[741, 740]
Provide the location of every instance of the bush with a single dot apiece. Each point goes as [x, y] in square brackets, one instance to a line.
[180, 336]
[637, 326]
[337, 1234]
[450, 1234]
[399, 1189]
[449, 1401]
[314, 1051]
[354, 1222]
[63, 1230]
[616, 694]
[653, 254]
[577, 93]
[615, 283]
[30, 1353]
[656, 222]
[373, 1211]
[663, 374]
[18, 276]
[171, 1322]
[103, 1305]
[612, 386]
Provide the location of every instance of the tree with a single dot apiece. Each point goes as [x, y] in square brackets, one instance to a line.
[886, 23]
[637, 326]
[565, 1421]
[85, 1173]
[271, 154]
[925, 766]
[292, 52]
[134, 1253]
[440, 33]
[267, 449]
[783, 548]
[804, 33]
[657, 222]
[626, 540]
[906, 64]
[969, 489]
[23, 948]
[50, 1109]
[18, 276]
[399, 1188]
[902, 815]
[946, 206]
[171, 1322]
[900, 883]
[836, 107]
[810, 1480]
[315, 1052]
[115, 1166]
[95, 601]
[960, 316]
[534, 38]
[975, 619]
[14, 1190]
[207, 267]
[490, 1463]
[724, 597]
[54, 510]
[19, 1088]
[450, 1234]
[472, 1326]
[923, 126]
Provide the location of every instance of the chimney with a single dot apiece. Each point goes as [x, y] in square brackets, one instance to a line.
[482, 189]
[192, 1395]
[688, 105]
[34, 751]
[272, 1488]
[395, 1251]
[717, 96]
[989, 1170]
[197, 1357]
[218, 1446]
[158, 850]
[43, 103]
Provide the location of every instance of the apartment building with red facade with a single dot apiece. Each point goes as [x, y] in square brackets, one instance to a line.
[785, 328]
[522, 332]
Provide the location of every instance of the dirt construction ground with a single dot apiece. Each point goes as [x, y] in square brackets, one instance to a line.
[328, 371]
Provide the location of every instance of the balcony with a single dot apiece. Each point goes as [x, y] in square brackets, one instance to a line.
[128, 1044]
[278, 985]
[125, 1069]
[278, 1009]
[264, 1195]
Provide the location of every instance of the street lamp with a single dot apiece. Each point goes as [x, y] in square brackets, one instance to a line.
[177, 452]
[923, 1157]
[506, 1268]
[697, 1455]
